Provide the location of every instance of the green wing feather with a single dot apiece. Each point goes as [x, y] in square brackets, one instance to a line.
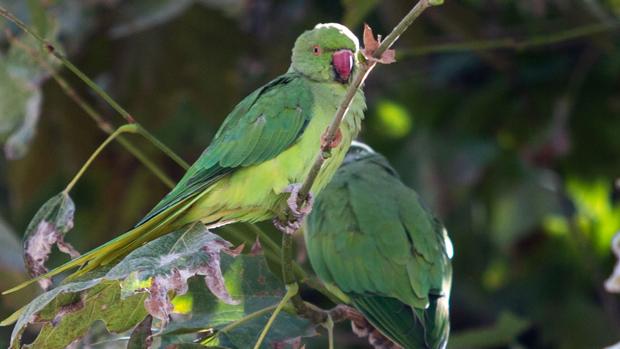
[260, 127]
[370, 236]
[409, 327]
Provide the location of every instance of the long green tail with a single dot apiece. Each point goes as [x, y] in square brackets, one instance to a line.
[409, 328]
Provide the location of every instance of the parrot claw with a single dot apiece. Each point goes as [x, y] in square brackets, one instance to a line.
[298, 213]
[287, 227]
[305, 209]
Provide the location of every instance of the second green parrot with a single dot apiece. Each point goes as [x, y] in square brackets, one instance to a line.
[266, 144]
[370, 237]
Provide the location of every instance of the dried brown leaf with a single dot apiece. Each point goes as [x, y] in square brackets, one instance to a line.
[388, 57]
[214, 278]
[235, 251]
[48, 228]
[157, 302]
[162, 267]
[257, 248]
[371, 44]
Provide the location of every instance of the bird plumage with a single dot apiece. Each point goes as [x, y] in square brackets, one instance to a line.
[370, 236]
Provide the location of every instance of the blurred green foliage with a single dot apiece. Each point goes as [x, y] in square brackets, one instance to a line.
[515, 146]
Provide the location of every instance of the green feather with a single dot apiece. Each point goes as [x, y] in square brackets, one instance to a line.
[258, 129]
[370, 236]
[419, 329]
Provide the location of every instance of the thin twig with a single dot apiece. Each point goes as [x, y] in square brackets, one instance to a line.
[127, 128]
[98, 90]
[247, 318]
[291, 290]
[329, 325]
[302, 308]
[231, 326]
[507, 43]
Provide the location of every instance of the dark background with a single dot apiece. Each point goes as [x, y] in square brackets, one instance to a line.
[504, 115]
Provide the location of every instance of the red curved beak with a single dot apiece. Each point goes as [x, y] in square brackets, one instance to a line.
[342, 60]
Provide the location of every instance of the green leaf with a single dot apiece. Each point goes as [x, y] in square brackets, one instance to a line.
[102, 302]
[597, 217]
[166, 263]
[250, 281]
[47, 228]
[28, 313]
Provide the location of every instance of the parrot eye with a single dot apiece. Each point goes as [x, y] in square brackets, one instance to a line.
[316, 50]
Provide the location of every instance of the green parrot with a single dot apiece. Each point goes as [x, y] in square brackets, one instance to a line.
[370, 237]
[267, 144]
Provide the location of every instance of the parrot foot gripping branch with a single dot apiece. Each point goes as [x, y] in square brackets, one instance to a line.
[292, 223]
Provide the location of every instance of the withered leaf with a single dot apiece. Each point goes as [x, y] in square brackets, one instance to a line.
[165, 264]
[250, 281]
[46, 229]
[157, 302]
[371, 44]
[257, 248]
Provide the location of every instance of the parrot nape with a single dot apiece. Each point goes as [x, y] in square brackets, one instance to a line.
[266, 144]
[371, 237]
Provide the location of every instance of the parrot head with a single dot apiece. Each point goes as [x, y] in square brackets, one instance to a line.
[358, 151]
[326, 53]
